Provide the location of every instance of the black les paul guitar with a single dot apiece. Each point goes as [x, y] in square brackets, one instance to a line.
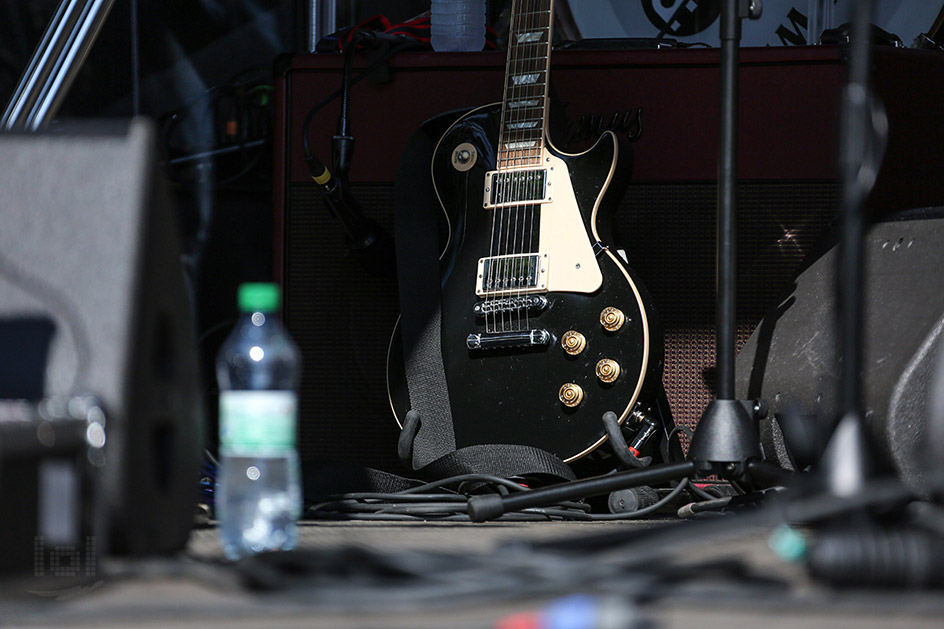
[544, 328]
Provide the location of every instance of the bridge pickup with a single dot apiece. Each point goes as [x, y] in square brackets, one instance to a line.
[503, 340]
[531, 303]
[510, 276]
[505, 188]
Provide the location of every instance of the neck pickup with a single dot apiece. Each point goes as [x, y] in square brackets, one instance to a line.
[505, 188]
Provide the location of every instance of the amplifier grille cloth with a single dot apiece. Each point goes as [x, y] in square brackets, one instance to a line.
[341, 315]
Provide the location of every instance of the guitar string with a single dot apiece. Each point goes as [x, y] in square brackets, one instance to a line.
[505, 276]
[514, 268]
[520, 132]
[512, 186]
[528, 210]
[541, 24]
[508, 185]
[505, 143]
[497, 192]
[546, 23]
[519, 182]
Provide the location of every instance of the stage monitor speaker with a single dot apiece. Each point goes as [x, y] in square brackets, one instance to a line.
[790, 359]
[91, 276]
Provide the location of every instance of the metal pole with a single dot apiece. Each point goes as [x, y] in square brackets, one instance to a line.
[853, 151]
[55, 63]
[39, 67]
[322, 20]
[727, 188]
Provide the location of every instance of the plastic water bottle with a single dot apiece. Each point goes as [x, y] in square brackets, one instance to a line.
[457, 25]
[258, 494]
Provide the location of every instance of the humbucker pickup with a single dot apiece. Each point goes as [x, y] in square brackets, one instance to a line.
[516, 187]
[512, 275]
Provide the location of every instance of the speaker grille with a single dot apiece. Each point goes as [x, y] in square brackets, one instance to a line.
[341, 315]
[669, 233]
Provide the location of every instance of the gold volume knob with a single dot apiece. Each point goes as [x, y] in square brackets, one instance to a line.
[573, 342]
[612, 319]
[608, 370]
[570, 394]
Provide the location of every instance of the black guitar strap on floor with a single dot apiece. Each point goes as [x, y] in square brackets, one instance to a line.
[427, 444]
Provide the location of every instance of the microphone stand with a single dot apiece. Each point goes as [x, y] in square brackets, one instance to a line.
[845, 464]
[727, 436]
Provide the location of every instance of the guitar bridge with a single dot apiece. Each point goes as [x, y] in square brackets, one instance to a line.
[530, 303]
[505, 340]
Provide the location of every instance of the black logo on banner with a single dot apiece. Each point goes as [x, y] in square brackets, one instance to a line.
[680, 18]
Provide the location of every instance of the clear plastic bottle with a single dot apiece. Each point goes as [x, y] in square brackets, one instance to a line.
[258, 494]
[457, 25]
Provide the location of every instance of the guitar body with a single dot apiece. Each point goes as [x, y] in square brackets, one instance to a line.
[513, 394]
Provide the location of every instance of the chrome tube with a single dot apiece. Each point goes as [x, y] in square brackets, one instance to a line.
[55, 63]
[322, 20]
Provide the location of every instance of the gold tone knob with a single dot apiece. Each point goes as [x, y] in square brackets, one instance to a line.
[612, 319]
[573, 342]
[570, 394]
[608, 370]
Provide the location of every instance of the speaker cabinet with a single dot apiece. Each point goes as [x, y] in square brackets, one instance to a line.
[666, 223]
[89, 247]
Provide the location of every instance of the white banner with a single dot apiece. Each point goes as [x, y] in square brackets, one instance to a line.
[783, 23]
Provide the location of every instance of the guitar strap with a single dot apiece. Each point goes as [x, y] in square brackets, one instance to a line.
[433, 453]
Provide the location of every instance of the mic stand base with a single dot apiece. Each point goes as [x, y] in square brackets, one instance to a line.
[726, 439]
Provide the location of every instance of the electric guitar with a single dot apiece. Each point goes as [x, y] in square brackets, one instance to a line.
[544, 328]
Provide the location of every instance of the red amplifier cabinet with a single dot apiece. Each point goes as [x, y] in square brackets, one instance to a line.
[788, 125]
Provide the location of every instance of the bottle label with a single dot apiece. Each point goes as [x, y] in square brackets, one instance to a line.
[258, 420]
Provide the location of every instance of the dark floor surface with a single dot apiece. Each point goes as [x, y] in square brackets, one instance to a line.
[729, 578]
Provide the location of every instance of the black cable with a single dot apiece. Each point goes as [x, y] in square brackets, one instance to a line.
[419, 503]
[345, 117]
[668, 498]
[466, 478]
[306, 124]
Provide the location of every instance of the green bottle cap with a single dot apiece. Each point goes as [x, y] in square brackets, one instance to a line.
[259, 297]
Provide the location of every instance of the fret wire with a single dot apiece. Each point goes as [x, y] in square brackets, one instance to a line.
[526, 58]
[531, 28]
[534, 58]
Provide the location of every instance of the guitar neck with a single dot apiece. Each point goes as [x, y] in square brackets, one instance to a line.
[524, 107]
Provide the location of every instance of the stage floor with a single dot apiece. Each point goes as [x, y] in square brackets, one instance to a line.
[733, 580]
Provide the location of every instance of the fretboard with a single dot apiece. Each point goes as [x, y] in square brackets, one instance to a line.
[524, 106]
